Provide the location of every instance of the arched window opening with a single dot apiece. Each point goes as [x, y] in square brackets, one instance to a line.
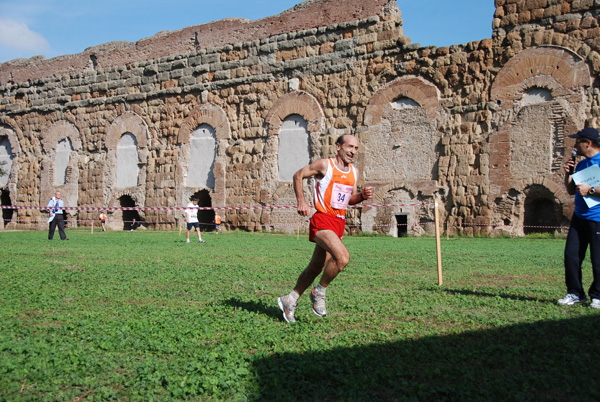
[202, 157]
[131, 218]
[404, 103]
[536, 95]
[6, 158]
[7, 214]
[293, 151]
[540, 212]
[206, 217]
[127, 161]
[63, 154]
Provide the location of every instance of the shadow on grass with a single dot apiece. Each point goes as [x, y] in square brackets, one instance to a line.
[488, 294]
[259, 306]
[552, 360]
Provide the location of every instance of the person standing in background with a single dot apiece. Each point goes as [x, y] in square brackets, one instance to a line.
[584, 230]
[56, 205]
[191, 218]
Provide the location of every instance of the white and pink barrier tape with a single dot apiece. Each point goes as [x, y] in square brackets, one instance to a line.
[32, 207]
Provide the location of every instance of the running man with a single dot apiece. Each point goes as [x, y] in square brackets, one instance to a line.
[102, 217]
[191, 218]
[334, 189]
[217, 223]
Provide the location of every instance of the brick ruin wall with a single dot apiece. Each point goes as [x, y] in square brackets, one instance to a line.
[483, 125]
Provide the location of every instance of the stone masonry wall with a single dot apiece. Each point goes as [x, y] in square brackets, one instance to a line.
[471, 114]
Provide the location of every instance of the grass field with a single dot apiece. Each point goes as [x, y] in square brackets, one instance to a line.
[144, 316]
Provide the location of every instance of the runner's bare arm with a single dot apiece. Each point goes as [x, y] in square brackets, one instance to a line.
[365, 194]
[318, 168]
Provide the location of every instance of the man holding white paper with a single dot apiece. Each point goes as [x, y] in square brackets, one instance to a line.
[584, 230]
[55, 206]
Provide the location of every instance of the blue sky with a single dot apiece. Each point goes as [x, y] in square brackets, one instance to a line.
[57, 27]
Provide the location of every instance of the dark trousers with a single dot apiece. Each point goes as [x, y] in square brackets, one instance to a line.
[60, 222]
[581, 234]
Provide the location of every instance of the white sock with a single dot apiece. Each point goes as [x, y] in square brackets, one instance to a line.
[320, 289]
[294, 295]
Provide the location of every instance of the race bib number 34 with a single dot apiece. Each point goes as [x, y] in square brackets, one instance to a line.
[340, 196]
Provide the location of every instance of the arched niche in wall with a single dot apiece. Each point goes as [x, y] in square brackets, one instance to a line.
[60, 165]
[206, 217]
[531, 206]
[295, 125]
[6, 156]
[542, 214]
[400, 154]
[294, 147]
[297, 110]
[203, 149]
[10, 152]
[127, 131]
[203, 139]
[130, 217]
[421, 91]
[127, 173]
[540, 100]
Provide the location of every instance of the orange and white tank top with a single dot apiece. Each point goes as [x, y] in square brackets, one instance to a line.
[332, 192]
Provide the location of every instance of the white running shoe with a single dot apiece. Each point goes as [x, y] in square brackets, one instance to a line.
[318, 303]
[289, 309]
[571, 299]
[595, 303]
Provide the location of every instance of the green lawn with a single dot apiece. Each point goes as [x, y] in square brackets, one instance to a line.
[144, 316]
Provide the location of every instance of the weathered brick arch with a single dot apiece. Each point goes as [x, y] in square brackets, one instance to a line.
[554, 68]
[410, 158]
[295, 103]
[209, 114]
[547, 82]
[514, 205]
[215, 117]
[566, 76]
[556, 189]
[60, 130]
[300, 103]
[10, 129]
[418, 89]
[128, 122]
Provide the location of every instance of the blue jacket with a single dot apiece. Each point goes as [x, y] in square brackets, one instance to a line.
[581, 208]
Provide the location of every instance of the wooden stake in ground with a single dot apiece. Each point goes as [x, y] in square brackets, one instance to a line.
[437, 241]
